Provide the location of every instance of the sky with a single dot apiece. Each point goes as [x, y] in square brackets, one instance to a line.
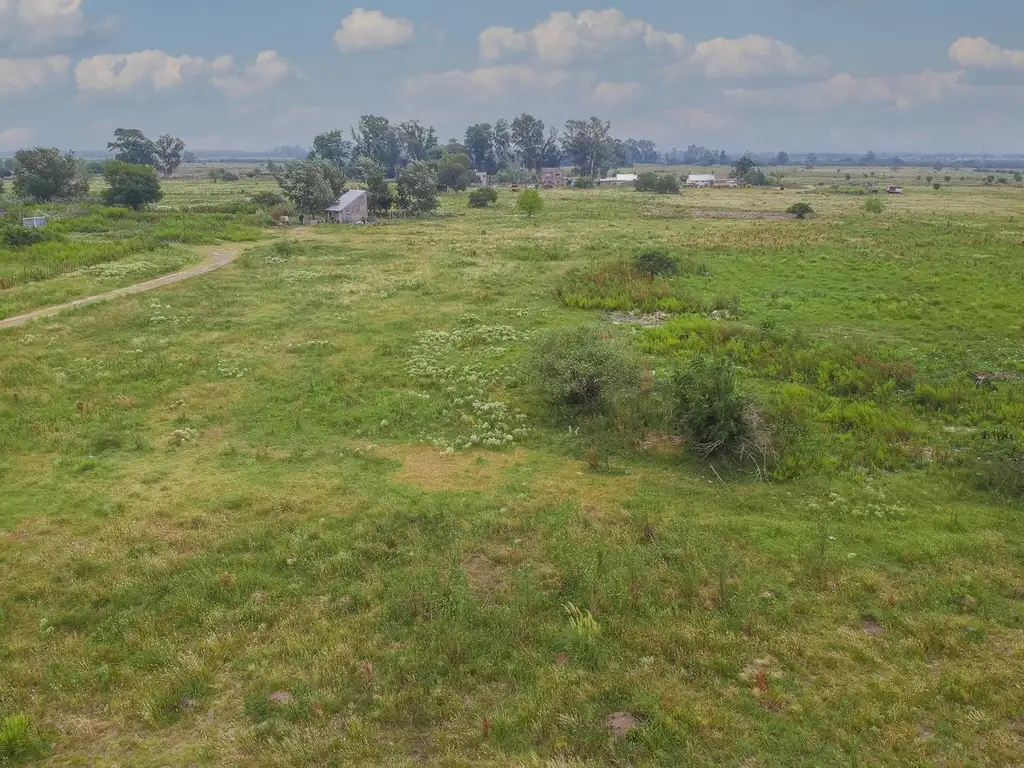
[740, 75]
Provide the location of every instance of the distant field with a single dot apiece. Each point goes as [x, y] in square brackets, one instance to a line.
[312, 509]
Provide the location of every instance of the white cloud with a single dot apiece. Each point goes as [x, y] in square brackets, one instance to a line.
[266, 73]
[15, 138]
[364, 30]
[37, 21]
[485, 83]
[979, 52]
[610, 95]
[564, 38]
[844, 90]
[752, 56]
[24, 75]
[117, 73]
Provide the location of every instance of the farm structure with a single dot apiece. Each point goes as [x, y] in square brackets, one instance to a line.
[351, 208]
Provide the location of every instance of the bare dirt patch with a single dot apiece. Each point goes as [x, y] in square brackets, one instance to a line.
[621, 723]
[749, 215]
[870, 626]
[483, 576]
[431, 470]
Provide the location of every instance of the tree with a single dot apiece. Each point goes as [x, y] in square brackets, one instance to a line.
[743, 166]
[800, 210]
[502, 138]
[190, 158]
[870, 158]
[812, 159]
[530, 202]
[551, 154]
[480, 144]
[376, 139]
[378, 191]
[528, 140]
[418, 187]
[454, 171]
[267, 198]
[723, 158]
[782, 158]
[331, 147]
[44, 174]
[133, 147]
[588, 144]
[661, 183]
[312, 186]
[132, 185]
[167, 154]
[641, 151]
[415, 140]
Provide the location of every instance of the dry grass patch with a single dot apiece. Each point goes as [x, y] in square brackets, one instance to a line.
[431, 470]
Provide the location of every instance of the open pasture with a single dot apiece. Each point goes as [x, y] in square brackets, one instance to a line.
[311, 509]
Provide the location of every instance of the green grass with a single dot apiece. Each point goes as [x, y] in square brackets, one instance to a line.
[257, 484]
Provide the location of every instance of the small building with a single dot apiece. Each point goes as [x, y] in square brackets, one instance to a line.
[701, 180]
[726, 183]
[35, 222]
[618, 180]
[894, 190]
[552, 177]
[353, 207]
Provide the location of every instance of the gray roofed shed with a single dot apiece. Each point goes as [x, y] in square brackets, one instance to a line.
[351, 207]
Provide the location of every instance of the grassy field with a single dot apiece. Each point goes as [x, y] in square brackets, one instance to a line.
[312, 509]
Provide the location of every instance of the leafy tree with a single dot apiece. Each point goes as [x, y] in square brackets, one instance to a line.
[312, 186]
[743, 166]
[332, 147]
[378, 191]
[661, 183]
[454, 171]
[800, 210]
[551, 155]
[43, 173]
[723, 158]
[1018, 177]
[812, 159]
[480, 144]
[376, 139]
[528, 140]
[418, 187]
[588, 144]
[641, 151]
[132, 185]
[483, 197]
[415, 140]
[870, 158]
[167, 154]
[190, 158]
[530, 202]
[133, 147]
[502, 138]
[782, 158]
[695, 155]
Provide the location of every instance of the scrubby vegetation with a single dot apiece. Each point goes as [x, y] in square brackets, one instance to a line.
[483, 197]
[469, 488]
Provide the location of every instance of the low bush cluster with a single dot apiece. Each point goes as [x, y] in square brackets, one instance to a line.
[482, 197]
[659, 183]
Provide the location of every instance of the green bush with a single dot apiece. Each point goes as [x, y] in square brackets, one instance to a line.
[656, 264]
[660, 183]
[580, 370]
[132, 185]
[800, 210]
[583, 182]
[17, 236]
[483, 197]
[267, 198]
[530, 202]
[707, 410]
[874, 205]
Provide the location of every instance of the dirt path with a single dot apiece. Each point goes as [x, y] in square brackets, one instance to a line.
[221, 257]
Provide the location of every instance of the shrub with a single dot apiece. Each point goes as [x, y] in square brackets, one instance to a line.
[229, 176]
[874, 205]
[707, 408]
[579, 370]
[936, 186]
[800, 210]
[267, 199]
[530, 202]
[660, 183]
[482, 197]
[583, 182]
[132, 185]
[17, 236]
[656, 264]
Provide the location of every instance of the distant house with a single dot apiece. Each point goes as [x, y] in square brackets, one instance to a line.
[894, 190]
[35, 222]
[726, 183]
[351, 208]
[701, 180]
[552, 177]
[618, 180]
